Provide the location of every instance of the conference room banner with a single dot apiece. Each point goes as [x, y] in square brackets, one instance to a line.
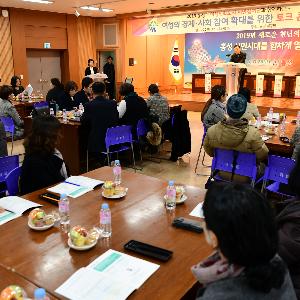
[272, 17]
[272, 51]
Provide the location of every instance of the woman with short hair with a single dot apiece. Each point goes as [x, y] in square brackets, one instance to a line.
[56, 91]
[240, 226]
[16, 85]
[66, 101]
[43, 164]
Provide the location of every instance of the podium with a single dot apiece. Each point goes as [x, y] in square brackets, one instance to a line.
[98, 77]
[232, 76]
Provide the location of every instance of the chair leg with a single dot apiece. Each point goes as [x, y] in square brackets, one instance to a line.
[12, 145]
[203, 159]
[108, 159]
[133, 158]
[198, 158]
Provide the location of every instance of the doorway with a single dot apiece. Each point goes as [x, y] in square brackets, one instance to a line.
[102, 58]
[42, 66]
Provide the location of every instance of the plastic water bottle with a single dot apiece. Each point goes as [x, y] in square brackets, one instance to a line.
[40, 294]
[270, 115]
[64, 212]
[171, 196]
[117, 171]
[81, 108]
[298, 118]
[105, 220]
[51, 112]
[65, 116]
[283, 126]
[258, 122]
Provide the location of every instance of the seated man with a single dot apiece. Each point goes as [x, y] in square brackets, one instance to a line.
[235, 133]
[99, 114]
[83, 95]
[158, 105]
[132, 108]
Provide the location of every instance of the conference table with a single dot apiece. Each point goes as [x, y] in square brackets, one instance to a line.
[9, 277]
[44, 258]
[275, 145]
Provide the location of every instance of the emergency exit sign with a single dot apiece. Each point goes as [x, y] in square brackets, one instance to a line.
[47, 45]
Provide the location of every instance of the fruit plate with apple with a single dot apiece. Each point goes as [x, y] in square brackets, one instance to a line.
[81, 239]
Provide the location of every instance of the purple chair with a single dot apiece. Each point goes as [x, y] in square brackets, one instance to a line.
[119, 136]
[12, 181]
[243, 164]
[42, 104]
[141, 131]
[202, 142]
[9, 127]
[278, 171]
[7, 164]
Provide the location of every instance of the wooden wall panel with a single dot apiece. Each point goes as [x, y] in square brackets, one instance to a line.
[6, 55]
[86, 42]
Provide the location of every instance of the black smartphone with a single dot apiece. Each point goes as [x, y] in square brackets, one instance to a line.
[148, 250]
[49, 197]
[187, 224]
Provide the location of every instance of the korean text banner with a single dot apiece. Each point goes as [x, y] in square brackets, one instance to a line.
[272, 51]
[276, 17]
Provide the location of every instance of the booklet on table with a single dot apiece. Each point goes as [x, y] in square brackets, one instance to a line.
[113, 275]
[13, 207]
[75, 186]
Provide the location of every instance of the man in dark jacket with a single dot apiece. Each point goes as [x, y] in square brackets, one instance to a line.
[132, 108]
[109, 70]
[289, 230]
[99, 114]
[83, 95]
[239, 57]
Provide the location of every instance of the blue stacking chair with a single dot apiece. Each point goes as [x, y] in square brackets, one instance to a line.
[224, 160]
[7, 164]
[119, 137]
[277, 171]
[12, 181]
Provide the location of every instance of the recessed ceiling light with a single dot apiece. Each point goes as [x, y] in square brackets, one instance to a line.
[106, 9]
[39, 1]
[90, 7]
[94, 8]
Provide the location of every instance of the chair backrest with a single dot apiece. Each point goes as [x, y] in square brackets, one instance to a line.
[246, 165]
[118, 135]
[223, 160]
[12, 181]
[8, 163]
[8, 123]
[41, 104]
[141, 128]
[279, 169]
[41, 108]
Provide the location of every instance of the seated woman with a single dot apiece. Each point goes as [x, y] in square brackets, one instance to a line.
[214, 109]
[66, 101]
[288, 225]
[43, 164]
[252, 110]
[158, 105]
[295, 142]
[56, 91]
[240, 226]
[7, 109]
[17, 87]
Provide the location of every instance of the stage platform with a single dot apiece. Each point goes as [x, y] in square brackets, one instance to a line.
[196, 101]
